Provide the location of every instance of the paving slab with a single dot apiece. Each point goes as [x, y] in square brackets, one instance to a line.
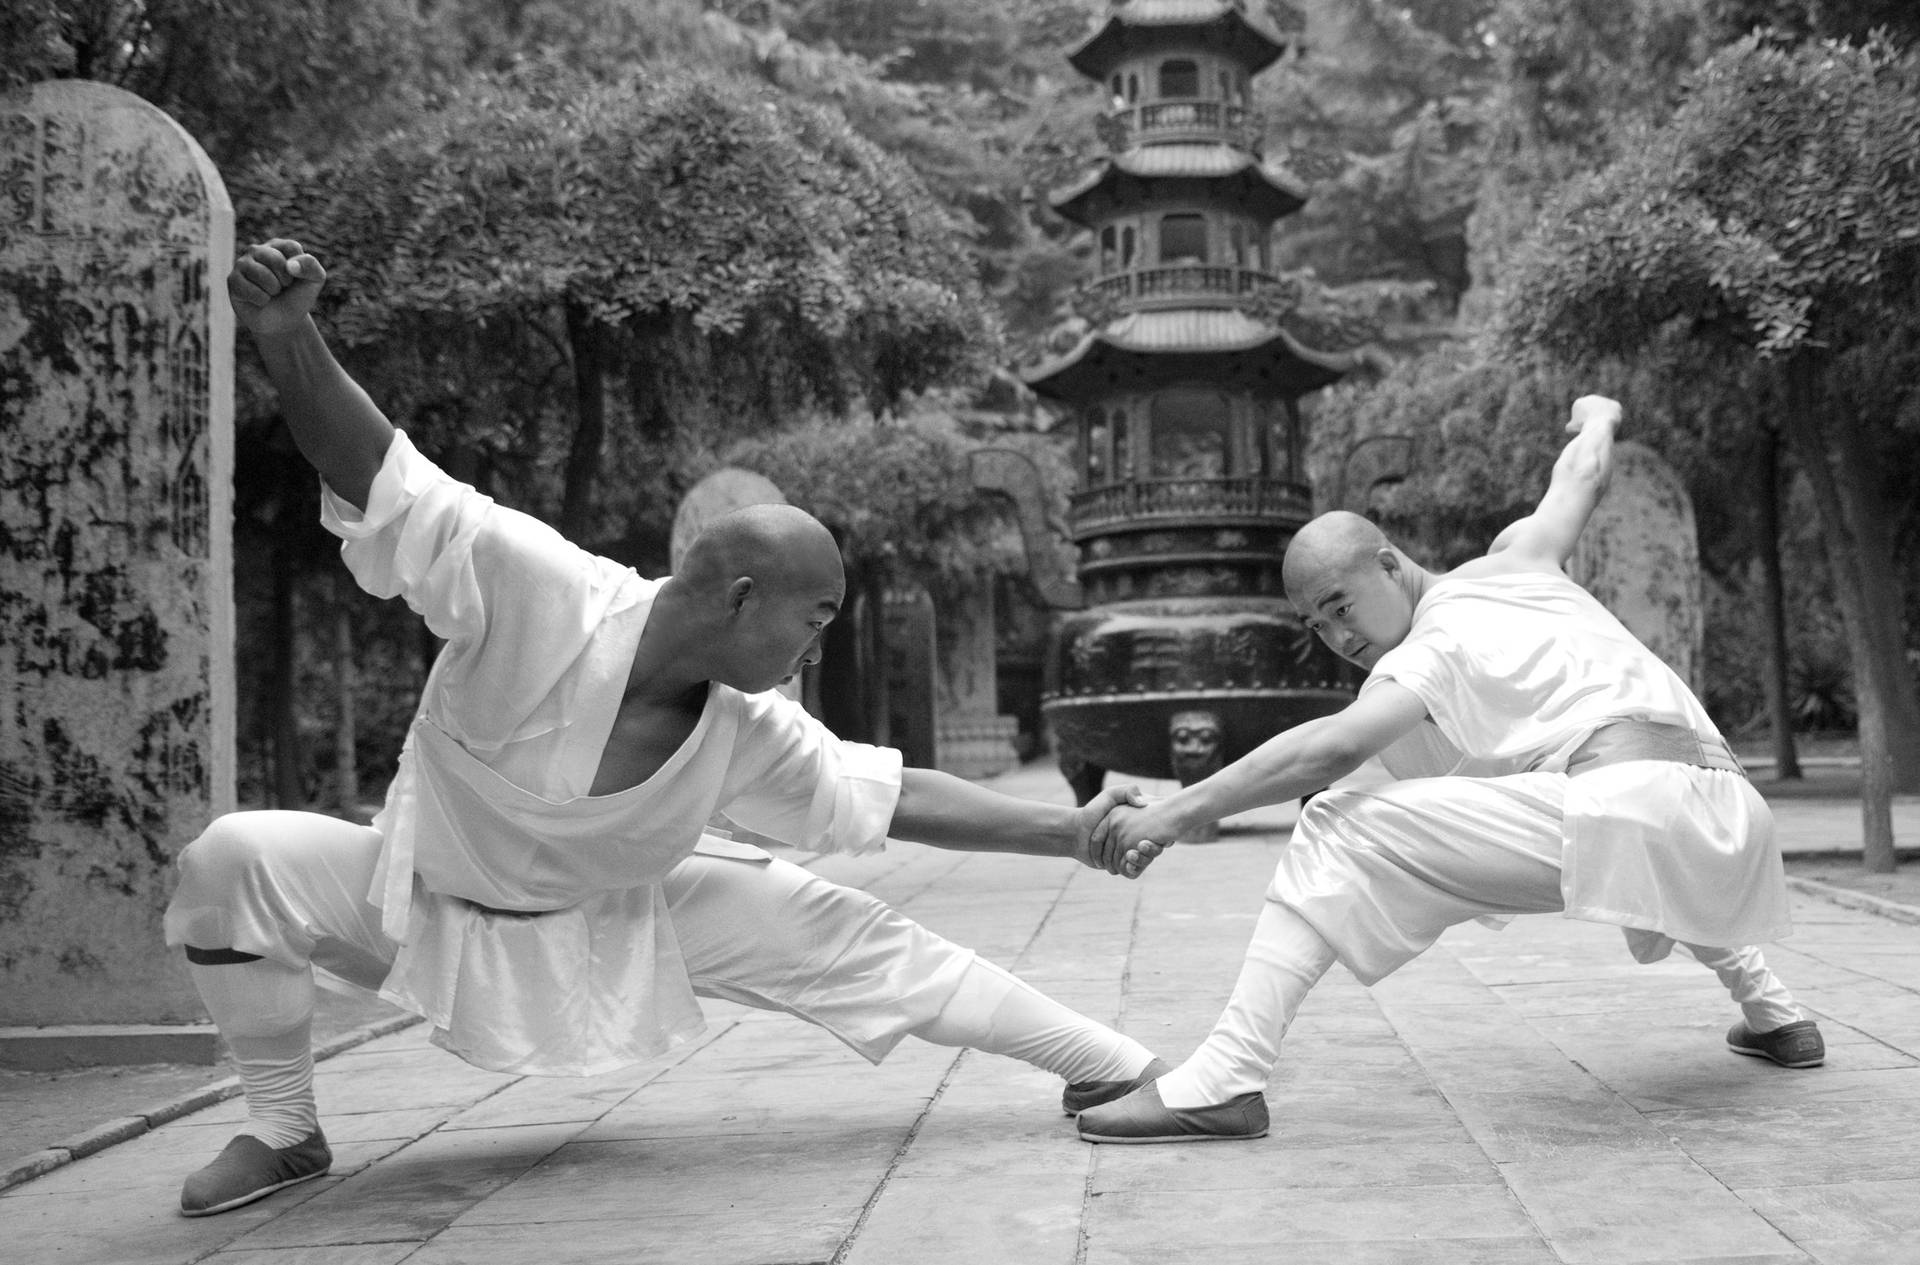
[1515, 1097]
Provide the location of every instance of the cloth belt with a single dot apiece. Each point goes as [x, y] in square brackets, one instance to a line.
[1624, 740]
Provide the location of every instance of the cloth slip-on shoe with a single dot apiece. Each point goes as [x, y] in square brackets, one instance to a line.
[1141, 1117]
[1080, 1095]
[1797, 1044]
[249, 1169]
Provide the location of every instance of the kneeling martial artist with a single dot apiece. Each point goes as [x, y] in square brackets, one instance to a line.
[1624, 807]
[543, 883]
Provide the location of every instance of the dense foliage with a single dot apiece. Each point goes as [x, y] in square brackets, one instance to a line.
[587, 249]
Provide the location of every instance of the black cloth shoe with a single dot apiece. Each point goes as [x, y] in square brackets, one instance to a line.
[1798, 1044]
[1141, 1117]
[249, 1169]
[1080, 1095]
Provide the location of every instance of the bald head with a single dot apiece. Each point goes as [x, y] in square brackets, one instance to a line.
[778, 546]
[1333, 544]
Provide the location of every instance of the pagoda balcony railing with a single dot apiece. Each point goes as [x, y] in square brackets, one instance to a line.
[1179, 285]
[1171, 122]
[1248, 498]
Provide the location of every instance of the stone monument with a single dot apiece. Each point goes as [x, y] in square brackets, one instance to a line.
[971, 739]
[116, 608]
[1640, 555]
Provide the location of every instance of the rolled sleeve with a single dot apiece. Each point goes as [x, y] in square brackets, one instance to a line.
[1424, 668]
[415, 540]
[797, 782]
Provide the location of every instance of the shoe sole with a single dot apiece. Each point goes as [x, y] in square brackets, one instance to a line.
[1754, 1052]
[1112, 1139]
[243, 1200]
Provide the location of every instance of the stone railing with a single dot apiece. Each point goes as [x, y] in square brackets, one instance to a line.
[1196, 119]
[1164, 500]
[1179, 285]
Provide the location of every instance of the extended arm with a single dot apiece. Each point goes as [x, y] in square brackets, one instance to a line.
[1546, 537]
[1292, 763]
[337, 426]
[947, 812]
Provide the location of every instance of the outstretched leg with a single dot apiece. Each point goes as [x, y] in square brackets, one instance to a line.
[1371, 879]
[1285, 960]
[772, 935]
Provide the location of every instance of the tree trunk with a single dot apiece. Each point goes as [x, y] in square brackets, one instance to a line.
[1863, 603]
[590, 424]
[346, 773]
[1773, 673]
[647, 352]
[289, 756]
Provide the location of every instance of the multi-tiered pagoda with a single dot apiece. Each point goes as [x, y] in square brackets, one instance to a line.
[1186, 397]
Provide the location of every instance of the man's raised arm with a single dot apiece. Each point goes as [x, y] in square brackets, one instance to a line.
[1580, 476]
[337, 426]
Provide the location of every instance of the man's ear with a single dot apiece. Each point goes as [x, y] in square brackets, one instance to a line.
[1389, 559]
[737, 593]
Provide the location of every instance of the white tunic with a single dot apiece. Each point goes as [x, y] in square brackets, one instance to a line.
[532, 928]
[1517, 670]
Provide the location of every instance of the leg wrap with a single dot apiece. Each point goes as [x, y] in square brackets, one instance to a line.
[1764, 1001]
[995, 1011]
[1285, 960]
[265, 1012]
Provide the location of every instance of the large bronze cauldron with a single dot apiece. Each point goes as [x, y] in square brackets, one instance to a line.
[1244, 667]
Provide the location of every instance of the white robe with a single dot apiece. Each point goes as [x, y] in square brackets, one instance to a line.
[1517, 671]
[532, 927]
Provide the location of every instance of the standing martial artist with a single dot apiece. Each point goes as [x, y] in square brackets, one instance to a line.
[1630, 811]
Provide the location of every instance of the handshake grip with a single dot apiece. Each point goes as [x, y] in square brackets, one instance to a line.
[1122, 837]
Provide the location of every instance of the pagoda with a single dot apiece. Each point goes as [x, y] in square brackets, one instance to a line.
[1185, 397]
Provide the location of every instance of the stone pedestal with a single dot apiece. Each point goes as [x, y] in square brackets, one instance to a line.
[116, 609]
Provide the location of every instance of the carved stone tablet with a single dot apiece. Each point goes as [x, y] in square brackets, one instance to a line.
[1640, 555]
[116, 607]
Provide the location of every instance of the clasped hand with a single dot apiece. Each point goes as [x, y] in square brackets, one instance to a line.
[1119, 832]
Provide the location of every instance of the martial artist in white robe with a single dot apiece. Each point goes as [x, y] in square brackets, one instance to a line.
[1628, 809]
[544, 930]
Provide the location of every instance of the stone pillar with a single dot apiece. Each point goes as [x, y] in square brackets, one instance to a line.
[1640, 555]
[971, 738]
[116, 603]
[912, 692]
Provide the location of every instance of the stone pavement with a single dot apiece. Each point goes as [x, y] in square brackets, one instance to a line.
[1522, 1096]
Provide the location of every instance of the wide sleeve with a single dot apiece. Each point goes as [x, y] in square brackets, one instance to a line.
[515, 601]
[1425, 665]
[792, 779]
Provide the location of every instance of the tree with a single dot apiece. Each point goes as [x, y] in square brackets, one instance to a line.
[729, 253]
[243, 76]
[1780, 209]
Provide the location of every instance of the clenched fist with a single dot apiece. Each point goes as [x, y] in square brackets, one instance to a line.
[273, 287]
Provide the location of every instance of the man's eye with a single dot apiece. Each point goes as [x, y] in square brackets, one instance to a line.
[1342, 612]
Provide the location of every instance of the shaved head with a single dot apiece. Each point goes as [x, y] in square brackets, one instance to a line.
[1333, 544]
[779, 546]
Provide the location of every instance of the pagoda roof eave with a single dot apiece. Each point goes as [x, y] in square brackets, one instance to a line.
[1095, 55]
[1277, 188]
[1163, 345]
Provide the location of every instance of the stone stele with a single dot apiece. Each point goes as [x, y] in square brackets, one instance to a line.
[1640, 555]
[116, 585]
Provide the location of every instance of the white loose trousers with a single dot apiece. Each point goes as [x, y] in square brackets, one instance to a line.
[1380, 872]
[292, 887]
